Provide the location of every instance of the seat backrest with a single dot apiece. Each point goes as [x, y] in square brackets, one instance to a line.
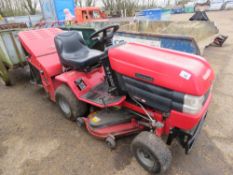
[68, 43]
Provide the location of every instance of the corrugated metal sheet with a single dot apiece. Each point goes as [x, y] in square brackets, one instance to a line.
[47, 7]
[11, 50]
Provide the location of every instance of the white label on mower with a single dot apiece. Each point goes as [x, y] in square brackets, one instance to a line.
[185, 75]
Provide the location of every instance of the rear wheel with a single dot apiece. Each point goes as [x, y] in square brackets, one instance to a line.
[151, 152]
[71, 107]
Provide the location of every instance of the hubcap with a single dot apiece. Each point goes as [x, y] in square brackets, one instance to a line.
[147, 158]
[64, 106]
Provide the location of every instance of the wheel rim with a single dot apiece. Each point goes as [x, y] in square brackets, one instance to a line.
[65, 107]
[147, 158]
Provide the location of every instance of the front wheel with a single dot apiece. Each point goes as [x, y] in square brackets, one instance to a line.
[151, 152]
[71, 107]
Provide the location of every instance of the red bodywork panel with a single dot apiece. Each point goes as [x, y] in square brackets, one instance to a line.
[115, 130]
[174, 70]
[39, 42]
[40, 46]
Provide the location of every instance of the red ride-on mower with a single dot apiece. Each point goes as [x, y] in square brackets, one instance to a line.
[124, 89]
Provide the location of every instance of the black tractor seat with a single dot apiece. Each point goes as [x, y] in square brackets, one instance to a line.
[73, 52]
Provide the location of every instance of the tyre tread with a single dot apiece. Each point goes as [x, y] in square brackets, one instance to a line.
[156, 146]
[78, 107]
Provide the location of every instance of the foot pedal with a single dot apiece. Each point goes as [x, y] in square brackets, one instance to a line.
[101, 97]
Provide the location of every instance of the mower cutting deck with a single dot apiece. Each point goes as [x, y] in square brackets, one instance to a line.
[125, 89]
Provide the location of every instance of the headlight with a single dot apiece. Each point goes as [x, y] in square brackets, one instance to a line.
[193, 104]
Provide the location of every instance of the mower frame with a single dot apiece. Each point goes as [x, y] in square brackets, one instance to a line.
[174, 124]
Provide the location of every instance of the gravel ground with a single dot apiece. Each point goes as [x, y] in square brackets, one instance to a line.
[36, 139]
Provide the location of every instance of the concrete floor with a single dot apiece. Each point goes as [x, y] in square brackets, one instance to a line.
[36, 139]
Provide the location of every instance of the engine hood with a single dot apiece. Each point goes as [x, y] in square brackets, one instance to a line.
[178, 71]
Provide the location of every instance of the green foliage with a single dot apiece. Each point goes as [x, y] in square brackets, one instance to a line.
[30, 6]
[131, 6]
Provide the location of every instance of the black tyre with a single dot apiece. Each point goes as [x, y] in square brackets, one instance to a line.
[151, 152]
[69, 104]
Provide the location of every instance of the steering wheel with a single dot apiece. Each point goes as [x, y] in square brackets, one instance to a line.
[107, 34]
